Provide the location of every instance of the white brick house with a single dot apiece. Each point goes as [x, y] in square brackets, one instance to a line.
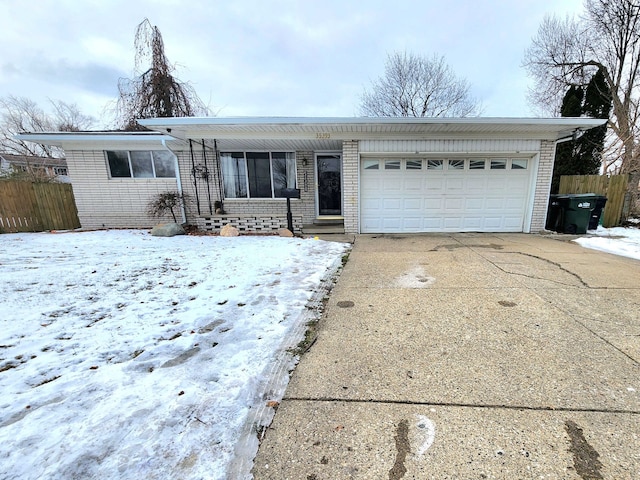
[369, 175]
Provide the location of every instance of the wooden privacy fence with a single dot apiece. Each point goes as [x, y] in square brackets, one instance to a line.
[36, 207]
[613, 187]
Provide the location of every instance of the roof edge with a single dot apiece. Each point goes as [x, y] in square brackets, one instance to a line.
[190, 121]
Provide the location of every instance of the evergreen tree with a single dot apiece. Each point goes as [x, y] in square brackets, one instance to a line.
[597, 104]
[566, 158]
[583, 155]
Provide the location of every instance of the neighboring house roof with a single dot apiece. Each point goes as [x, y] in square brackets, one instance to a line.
[23, 160]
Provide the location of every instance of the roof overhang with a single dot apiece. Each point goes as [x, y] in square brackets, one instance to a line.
[365, 128]
[101, 139]
[308, 133]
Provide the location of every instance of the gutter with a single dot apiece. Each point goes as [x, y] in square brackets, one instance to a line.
[178, 179]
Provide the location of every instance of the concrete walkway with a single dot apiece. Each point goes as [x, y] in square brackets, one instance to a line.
[467, 356]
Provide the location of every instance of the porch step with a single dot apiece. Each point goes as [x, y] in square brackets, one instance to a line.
[322, 229]
[329, 220]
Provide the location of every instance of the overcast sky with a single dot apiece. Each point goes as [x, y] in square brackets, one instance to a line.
[268, 58]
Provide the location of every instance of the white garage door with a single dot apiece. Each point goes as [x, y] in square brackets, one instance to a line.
[444, 195]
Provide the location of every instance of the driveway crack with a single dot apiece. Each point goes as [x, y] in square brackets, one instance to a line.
[464, 405]
[534, 277]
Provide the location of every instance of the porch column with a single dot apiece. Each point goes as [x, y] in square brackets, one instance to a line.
[543, 185]
[350, 186]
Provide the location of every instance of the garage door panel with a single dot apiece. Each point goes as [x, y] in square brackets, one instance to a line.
[476, 184]
[512, 222]
[497, 184]
[474, 204]
[494, 204]
[391, 224]
[492, 222]
[433, 205]
[371, 204]
[444, 200]
[473, 223]
[412, 224]
[371, 224]
[392, 205]
[452, 223]
[454, 184]
[411, 205]
[433, 224]
[456, 203]
[413, 184]
[435, 185]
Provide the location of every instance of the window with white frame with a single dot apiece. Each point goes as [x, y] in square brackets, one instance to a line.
[257, 174]
[141, 164]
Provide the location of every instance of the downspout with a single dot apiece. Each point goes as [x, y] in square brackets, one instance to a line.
[178, 179]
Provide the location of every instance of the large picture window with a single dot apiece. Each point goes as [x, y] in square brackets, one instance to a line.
[257, 174]
[141, 164]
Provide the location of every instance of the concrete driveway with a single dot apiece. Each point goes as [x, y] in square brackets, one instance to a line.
[467, 356]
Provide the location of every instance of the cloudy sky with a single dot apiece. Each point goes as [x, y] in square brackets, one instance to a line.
[267, 58]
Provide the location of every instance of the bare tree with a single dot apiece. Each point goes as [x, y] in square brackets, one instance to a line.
[69, 118]
[569, 52]
[415, 86]
[20, 115]
[154, 92]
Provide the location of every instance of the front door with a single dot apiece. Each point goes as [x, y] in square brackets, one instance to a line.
[328, 170]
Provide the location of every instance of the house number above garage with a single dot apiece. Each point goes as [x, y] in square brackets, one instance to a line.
[323, 135]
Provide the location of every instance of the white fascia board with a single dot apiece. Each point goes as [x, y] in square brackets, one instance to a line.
[88, 140]
[328, 136]
[310, 121]
[370, 128]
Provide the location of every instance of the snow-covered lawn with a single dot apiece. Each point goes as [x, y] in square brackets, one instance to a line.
[126, 356]
[619, 241]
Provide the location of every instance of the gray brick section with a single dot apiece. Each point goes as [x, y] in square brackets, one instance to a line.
[248, 223]
[543, 185]
[350, 186]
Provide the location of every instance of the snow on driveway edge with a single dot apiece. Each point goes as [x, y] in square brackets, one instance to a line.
[278, 375]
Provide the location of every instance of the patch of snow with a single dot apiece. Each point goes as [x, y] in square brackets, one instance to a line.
[415, 277]
[129, 356]
[618, 240]
[424, 433]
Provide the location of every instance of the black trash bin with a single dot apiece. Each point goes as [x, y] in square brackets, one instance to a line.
[570, 213]
[596, 213]
[554, 214]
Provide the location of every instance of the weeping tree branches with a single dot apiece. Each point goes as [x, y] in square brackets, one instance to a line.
[154, 92]
[414, 86]
[570, 52]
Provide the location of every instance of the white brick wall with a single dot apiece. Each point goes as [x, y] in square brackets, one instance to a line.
[105, 202]
[543, 185]
[350, 186]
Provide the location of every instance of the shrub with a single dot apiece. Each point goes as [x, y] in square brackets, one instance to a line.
[167, 202]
